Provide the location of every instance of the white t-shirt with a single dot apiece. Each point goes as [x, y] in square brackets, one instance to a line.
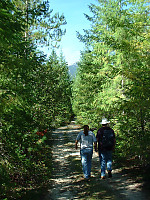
[86, 141]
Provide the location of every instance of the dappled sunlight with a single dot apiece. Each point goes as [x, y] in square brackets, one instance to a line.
[67, 177]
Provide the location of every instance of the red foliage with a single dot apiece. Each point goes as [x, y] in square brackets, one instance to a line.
[41, 133]
[45, 131]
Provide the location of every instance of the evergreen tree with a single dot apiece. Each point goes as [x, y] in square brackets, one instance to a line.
[61, 89]
[26, 106]
[118, 40]
[41, 25]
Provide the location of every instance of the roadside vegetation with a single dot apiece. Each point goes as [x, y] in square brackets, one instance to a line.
[113, 75]
[37, 95]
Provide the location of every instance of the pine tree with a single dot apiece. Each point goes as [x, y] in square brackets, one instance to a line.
[26, 94]
[41, 25]
[118, 40]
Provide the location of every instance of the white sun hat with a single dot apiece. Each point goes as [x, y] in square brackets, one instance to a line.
[105, 121]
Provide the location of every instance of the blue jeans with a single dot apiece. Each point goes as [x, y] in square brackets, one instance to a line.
[105, 159]
[86, 159]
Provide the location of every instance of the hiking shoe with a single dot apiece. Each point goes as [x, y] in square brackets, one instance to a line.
[109, 174]
[102, 177]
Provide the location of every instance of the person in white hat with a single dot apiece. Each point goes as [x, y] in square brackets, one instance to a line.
[106, 143]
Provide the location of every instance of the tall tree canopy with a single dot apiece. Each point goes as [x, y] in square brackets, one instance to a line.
[113, 75]
[34, 93]
[41, 25]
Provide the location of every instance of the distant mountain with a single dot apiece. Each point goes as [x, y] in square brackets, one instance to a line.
[73, 70]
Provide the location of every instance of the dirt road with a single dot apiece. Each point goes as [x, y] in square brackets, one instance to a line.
[67, 176]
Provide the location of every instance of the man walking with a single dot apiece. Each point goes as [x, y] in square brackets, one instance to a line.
[106, 143]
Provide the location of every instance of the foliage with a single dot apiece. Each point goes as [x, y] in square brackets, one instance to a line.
[28, 104]
[41, 25]
[112, 79]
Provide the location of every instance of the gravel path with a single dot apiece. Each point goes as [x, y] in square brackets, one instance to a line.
[67, 180]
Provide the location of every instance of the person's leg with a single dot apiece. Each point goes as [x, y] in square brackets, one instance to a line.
[89, 162]
[109, 163]
[84, 163]
[100, 157]
[103, 164]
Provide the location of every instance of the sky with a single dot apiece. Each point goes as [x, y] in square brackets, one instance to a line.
[73, 11]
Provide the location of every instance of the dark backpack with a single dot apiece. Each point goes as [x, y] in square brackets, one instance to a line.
[108, 139]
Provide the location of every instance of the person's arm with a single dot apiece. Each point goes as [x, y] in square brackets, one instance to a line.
[98, 136]
[77, 140]
[95, 142]
[114, 142]
[95, 146]
[76, 144]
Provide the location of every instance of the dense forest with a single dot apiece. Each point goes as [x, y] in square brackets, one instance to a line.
[37, 95]
[113, 75]
[35, 92]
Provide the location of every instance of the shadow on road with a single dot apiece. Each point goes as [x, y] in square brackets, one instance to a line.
[67, 177]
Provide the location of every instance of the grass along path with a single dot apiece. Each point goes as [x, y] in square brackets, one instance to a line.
[67, 182]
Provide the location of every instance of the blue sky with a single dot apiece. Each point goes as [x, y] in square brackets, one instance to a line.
[73, 11]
